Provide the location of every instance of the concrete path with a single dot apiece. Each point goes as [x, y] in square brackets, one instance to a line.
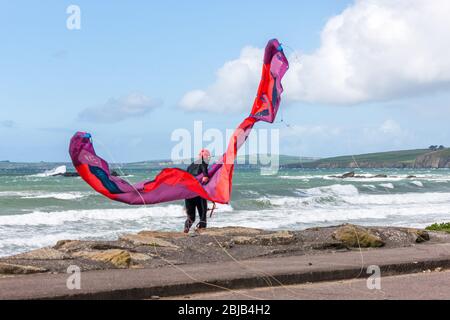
[418, 286]
[188, 279]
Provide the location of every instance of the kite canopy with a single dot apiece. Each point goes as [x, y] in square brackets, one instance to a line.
[176, 184]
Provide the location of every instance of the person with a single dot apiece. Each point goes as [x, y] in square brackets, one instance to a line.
[197, 167]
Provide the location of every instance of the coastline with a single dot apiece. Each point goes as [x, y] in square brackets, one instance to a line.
[232, 254]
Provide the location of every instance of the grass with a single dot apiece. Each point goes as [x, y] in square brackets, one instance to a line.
[439, 227]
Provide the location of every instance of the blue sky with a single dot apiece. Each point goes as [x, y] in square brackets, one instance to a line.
[55, 81]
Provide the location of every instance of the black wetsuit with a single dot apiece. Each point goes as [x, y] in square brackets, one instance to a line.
[198, 202]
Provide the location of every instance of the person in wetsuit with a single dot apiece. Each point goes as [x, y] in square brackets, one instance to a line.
[197, 167]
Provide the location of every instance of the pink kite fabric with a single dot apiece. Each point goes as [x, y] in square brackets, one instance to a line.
[176, 184]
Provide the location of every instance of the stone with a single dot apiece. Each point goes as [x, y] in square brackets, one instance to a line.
[42, 254]
[66, 245]
[420, 235]
[354, 237]
[348, 175]
[243, 240]
[231, 231]
[140, 257]
[144, 240]
[281, 237]
[163, 234]
[8, 268]
[119, 258]
[276, 238]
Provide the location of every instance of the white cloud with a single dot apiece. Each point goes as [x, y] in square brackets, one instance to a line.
[234, 88]
[374, 50]
[388, 133]
[115, 110]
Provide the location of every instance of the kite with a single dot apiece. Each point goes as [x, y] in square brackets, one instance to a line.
[176, 184]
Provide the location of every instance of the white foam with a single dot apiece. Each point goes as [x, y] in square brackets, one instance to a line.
[44, 195]
[417, 183]
[335, 189]
[387, 185]
[53, 172]
[57, 195]
[61, 217]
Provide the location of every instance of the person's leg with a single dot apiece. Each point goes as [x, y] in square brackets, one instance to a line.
[190, 205]
[202, 212]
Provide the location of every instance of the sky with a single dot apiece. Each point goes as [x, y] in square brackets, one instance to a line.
[365, 76]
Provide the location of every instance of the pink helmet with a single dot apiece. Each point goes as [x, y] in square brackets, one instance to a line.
[204, 154]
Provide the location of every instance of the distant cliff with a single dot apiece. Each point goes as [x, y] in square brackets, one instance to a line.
[436, 159]
[418, 158]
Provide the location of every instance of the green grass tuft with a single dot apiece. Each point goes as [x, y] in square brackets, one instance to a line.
[439, 227]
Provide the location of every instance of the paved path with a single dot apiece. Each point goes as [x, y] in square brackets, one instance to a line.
[187, 279]
[418, 286]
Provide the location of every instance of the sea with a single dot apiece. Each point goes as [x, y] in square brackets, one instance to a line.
[37, 209]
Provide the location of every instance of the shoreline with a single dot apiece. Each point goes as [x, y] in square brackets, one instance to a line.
[232, 254]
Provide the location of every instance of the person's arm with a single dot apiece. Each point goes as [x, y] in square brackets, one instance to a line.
[204, 170]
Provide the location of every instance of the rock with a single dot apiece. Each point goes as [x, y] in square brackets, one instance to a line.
[140, 257]
[144, 240]
[231, 231]
[439, 269]
[70, 174]
[348, 175]
[354, 236]
[242, 240]
[7, 268]
[282, 237]
[411, 177]
[277, 238]
[66, 245]
[420, 235]
[380, 176]
[163, 234]
[119, 258]
[42, 254]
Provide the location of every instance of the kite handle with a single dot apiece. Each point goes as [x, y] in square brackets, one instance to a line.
[212, 209]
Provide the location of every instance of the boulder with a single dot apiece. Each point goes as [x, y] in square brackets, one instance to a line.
[348, 175]
[7, 268]
[144, 240]
[119, 258]
[276, 238]
[355, 236]
[420, 235]
[243, 240]
[140, 257]
[282, 237]
[162, 234]
[232, 231]
[66, 245]
[42, 254]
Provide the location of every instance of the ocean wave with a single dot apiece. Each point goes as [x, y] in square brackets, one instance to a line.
[417, 183]
[45, 195]
[61, 217]
[53, 172]
[387, 185]
[132, 214]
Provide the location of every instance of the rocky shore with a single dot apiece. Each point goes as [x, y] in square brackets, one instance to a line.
[155, 249]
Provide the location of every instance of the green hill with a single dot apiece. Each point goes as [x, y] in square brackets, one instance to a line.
[417, 158]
